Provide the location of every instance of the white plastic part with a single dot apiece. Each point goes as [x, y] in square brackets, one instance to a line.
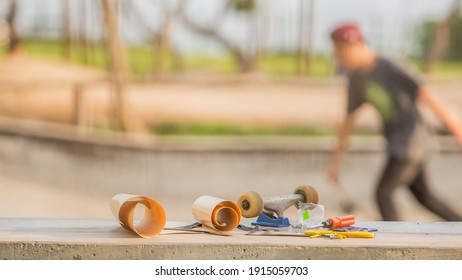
[310, 214]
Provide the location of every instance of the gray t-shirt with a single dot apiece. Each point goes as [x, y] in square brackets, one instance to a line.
[393, 91]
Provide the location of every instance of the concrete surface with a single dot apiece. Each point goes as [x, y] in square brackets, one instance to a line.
[104, 239]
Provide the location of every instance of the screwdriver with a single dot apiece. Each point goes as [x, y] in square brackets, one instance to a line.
[336, 222]
[350, 234]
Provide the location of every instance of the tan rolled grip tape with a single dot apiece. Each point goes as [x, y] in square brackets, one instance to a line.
[216, 213]
[123, 208]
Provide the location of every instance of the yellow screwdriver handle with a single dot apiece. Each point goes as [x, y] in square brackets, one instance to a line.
[318, 232]
[351, 234]
[357, 234]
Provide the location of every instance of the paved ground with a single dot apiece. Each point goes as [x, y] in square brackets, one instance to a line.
[22, 198]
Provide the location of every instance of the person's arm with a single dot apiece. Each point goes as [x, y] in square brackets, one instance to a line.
[451, 123]
[345, 131]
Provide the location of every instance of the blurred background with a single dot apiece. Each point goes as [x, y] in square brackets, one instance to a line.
[175, 99]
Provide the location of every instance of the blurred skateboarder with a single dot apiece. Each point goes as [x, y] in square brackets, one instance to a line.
[394, 92]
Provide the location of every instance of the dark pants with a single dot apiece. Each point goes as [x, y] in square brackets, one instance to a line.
[412, 175]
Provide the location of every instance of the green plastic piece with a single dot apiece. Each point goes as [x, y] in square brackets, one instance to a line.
[306, 215]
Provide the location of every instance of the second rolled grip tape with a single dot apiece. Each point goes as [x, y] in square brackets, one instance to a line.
[216, 213]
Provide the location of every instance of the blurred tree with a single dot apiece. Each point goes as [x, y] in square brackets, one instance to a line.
[305, 41]
[66, 29]
[248, 9]
[426, 33]
[82, 35]
[14, 45]
[301, 39]
[118, 62]
[441, 37]
[163, 38]
[455, 45]
[243, 5]
[4, 33]
[310, 39]
[423, 36]
[245, 58]
[163, 48]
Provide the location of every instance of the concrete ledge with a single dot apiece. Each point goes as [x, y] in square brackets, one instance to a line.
[104, 239]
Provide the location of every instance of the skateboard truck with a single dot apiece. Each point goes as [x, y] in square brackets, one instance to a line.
[270, 210]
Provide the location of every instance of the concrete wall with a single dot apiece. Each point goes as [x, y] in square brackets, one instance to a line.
[180, 173]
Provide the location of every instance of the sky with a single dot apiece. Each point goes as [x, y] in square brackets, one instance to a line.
[388, 24]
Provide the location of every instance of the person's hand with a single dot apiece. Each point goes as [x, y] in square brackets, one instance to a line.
[332, 171]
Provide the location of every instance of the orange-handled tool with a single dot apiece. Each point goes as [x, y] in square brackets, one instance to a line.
[336, 222]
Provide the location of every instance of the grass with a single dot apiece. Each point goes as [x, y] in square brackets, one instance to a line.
[55, 51]
[286, 65]
[142, 60]
[443, 67]
[224, 64]
[220, 129]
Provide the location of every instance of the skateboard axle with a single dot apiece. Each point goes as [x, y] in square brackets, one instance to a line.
[278, 204]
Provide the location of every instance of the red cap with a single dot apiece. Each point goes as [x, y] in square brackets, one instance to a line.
[346, 33]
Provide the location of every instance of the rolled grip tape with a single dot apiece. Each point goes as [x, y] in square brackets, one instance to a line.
[123, 208]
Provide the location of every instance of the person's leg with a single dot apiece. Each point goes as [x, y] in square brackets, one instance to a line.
[396, 173]
[424, 195]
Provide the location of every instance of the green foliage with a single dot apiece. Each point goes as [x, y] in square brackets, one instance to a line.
[229, 129]
[244, 5]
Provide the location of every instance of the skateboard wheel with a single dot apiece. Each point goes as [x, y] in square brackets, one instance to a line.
[251, 204]
[310, 194]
